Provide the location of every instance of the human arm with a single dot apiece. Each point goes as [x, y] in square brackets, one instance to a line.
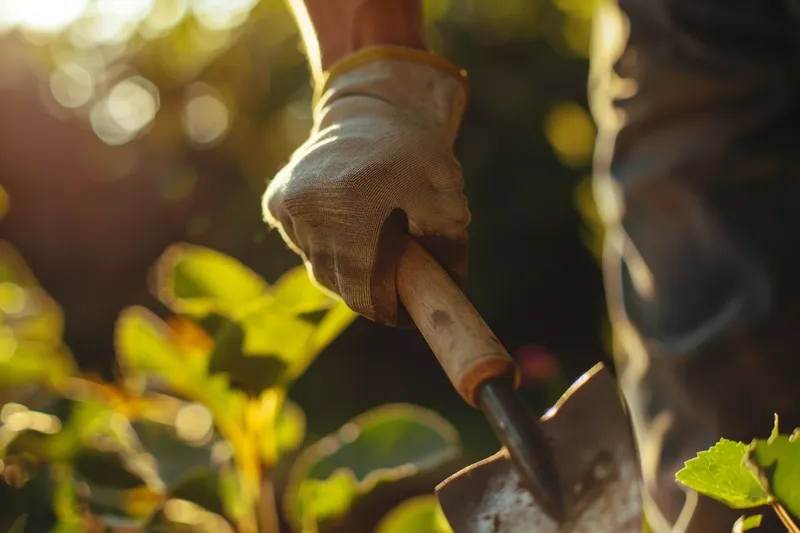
[696, 180]
[334, 29]
[379, 160]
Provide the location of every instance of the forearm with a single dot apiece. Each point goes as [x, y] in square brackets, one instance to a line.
[332, 29]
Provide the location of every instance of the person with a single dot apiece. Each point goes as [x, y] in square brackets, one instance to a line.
[695, 178]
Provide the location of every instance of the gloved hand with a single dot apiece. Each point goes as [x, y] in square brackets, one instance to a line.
[378, 164]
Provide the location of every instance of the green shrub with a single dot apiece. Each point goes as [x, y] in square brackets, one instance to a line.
[190, 434]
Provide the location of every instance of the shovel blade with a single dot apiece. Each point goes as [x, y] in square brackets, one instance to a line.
[596, 460]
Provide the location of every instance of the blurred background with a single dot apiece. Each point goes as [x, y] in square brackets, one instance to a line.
[128, 125]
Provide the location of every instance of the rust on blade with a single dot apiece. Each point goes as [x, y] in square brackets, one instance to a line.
[597, 464]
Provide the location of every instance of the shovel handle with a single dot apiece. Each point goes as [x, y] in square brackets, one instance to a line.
[468, 351]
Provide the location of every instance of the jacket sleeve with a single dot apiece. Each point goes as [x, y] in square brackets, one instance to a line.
[697, 161]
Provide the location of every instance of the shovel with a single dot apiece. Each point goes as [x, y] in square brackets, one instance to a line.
[574, 470]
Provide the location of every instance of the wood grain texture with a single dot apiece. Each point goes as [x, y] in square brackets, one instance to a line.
[466, 348]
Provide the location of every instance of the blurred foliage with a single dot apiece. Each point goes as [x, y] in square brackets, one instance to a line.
[188, 435]
[420, 514]
[384, 445]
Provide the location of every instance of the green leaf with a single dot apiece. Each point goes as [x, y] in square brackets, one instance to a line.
[298, 294]
[182, 516]
[26, 362]
[776, 462]
[177, 460]
[335, 321]
[332, 497]
[31, 313]
[110, 453]
[743, 523]
[65, 500]
[14, 268]
[201, 487]
[195, 280]
[421, 514]
[720, 474]
[19, 524]
[105, 468]
[24, 306]
[144, 346]
[385, 444]
[290, 427]
[249, 372]
[268, 347]
[268, 331]
[108, 504]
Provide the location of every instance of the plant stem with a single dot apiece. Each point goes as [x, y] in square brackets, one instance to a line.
[267, 511]
[785, 517]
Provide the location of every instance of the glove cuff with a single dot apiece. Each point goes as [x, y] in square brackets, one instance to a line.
[415, 81]
[390, 52]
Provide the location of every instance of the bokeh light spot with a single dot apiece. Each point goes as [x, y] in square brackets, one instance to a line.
[537, 364]
[45, 16]
[164, 16]
[12, 298]
[130, 106]
[570, 130]
[194, 423]
[205, 118]
[222, 14]
[72, 85]
[112, 21]
[221, 452]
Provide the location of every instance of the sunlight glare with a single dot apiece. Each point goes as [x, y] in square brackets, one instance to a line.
[163, 17]
[8, 16]
[194, 423]
[71, 85]
[130, 106]
[222, 14]
[205, 117]
[112, 21]
[43, 16]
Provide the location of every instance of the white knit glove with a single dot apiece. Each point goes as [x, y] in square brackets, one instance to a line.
[381, 147]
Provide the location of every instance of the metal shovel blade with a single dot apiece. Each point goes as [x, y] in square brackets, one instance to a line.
[597, 464]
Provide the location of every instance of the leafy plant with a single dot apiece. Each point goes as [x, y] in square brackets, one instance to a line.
[763, 473]
[189, 435]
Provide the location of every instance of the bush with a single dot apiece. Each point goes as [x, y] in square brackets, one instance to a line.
[191, 434]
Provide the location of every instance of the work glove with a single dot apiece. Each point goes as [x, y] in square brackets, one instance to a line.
[377, 165]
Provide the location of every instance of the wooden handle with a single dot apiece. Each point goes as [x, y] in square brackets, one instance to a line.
[466, 348]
